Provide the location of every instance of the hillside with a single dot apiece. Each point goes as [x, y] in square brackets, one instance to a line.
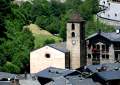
[41, 35]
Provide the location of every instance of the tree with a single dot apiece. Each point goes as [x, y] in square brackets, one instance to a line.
[64, 18]
[73, 4]
[5, 9]
[25, 9]
[16, 47]
[49, 41]
[48, 14]
[88, 8]
[11, 68]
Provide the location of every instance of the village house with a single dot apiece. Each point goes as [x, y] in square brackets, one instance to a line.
[70, 54]
[103, 47]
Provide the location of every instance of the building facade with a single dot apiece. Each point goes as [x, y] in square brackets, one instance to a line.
[103, 48]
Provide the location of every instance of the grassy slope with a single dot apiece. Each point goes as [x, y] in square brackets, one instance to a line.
[41, 35]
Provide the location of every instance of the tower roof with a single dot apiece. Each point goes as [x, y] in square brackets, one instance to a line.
[76, 18]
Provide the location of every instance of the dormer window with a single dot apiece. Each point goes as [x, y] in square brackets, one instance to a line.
[73, 26]
[73, 34]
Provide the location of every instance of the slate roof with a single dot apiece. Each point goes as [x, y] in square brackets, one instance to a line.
[6, 75]
[64, 77]
[112, 36]
[76, 18]
[109, 66]
[109, 75]
[52, 73]
[59, 46]
[75, 80]
[4, 82]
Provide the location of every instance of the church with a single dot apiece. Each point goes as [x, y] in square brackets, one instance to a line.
[70, 54]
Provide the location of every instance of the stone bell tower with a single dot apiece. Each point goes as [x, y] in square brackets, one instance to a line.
[76, 41]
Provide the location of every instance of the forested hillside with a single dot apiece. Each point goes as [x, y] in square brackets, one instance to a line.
[16, 42]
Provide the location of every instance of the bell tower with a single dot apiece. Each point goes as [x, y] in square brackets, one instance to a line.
[76, 41]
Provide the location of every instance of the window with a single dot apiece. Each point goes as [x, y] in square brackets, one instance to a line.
[73, 26]
[103, 47]
[89, 56]
[103, 56]
[116, 56]
[98, 47]
[107, 56]
[73, 34]
[47, 55]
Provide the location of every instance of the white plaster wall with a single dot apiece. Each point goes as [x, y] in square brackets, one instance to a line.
[39, 62]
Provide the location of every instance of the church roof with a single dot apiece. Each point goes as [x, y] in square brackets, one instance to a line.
[112, 36]
[76, 18]
[59, 46]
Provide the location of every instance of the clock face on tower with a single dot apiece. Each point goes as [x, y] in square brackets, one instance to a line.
[73, 42]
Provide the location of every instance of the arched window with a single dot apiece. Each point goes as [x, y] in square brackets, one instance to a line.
[73, 34]
[73, 26]
[47, 55]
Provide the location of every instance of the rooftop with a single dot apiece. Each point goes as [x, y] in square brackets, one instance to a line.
[112, 36]
[4, 82]
[59, 46]
[109, 67]
[109, 75]
[6, 75]
[52, 73]
[76, 18]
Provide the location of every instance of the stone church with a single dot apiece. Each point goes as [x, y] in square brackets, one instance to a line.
[70, 54]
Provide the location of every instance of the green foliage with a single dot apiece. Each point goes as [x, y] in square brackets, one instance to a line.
[93, 26]
[48, 14]
[16, 46]
[88, 8]
[12, 68]
[64, 19]
[73, 4]
[49, 41]
[5, 10]
[40, 39]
